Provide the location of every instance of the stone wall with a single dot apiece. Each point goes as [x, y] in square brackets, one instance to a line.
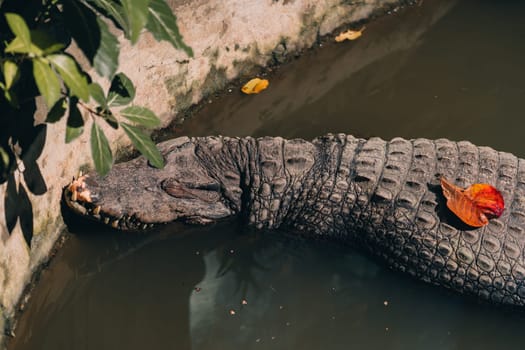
[230, 39]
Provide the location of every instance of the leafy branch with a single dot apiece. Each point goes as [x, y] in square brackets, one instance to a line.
[65, 87]
[34, 63]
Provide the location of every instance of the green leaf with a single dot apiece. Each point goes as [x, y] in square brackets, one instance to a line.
[57, 111]
[102, 109]
[111, 120]
[141, 115]
[121, 92]
[7, 164]
[113, 10]
[72, 76]
[46, 81]
[100, 150]
[75, 123]
[136, 12]
[162, 23]
[5, 160]
[19, 27]
[81, 22]
[108, 116]
[18, 46]
[106, 59]
[96, 92]
[143, 143]
[11, 73]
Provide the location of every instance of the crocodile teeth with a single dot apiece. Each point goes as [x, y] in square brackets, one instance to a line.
[82, 210]
[114, 223]
[96, 211]
[106, 220]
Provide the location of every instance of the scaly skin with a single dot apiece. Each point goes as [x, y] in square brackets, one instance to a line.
[382, 196]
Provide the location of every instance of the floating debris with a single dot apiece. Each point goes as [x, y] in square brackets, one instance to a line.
[349, 35]
[255, 86]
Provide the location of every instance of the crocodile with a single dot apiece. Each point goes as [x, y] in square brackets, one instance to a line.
[380, 196]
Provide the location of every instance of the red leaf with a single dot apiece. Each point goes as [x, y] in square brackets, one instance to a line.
[474, 205]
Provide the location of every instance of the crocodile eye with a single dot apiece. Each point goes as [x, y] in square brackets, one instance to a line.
[208, 192]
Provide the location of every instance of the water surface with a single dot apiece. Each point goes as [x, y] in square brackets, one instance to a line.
[443, 69]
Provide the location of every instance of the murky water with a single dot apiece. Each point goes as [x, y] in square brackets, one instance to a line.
[443, 69]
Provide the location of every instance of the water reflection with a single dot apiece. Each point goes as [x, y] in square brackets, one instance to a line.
[315, 295]
[177, 288]
[109, 291]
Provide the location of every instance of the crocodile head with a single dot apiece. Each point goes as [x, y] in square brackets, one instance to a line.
[134, 195]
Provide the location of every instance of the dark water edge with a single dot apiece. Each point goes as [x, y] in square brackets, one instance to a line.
[451, 69]
[175, 289]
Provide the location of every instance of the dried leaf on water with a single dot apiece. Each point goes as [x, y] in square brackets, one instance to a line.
[349, 35]
[474, 205]
[255, 86]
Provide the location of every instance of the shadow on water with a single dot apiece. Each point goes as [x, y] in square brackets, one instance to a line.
[107, 290]
[444, 69]
[176, 288]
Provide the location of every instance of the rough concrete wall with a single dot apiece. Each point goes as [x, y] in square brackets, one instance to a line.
[229, 38]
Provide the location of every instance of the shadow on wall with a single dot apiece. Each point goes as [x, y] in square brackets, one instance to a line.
[21, 143]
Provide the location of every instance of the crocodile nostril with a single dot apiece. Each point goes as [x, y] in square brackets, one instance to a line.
[212, 186]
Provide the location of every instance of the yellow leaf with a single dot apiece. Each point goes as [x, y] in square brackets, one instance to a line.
[349, 35]
[255, 86]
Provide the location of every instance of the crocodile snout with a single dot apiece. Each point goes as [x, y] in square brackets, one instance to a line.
[80, 197]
